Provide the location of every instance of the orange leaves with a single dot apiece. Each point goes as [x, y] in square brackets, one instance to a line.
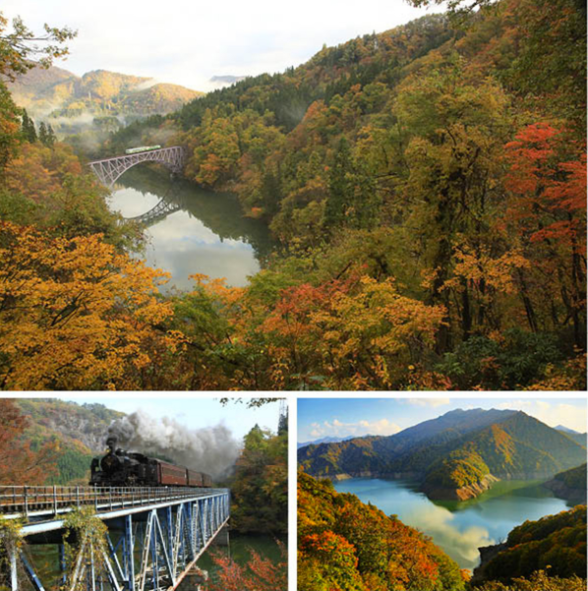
[359, 333]
[18, 463]
[547, 183]
[74, 314]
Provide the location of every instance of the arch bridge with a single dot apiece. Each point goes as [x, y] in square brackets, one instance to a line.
[155, 536]
[109, 170]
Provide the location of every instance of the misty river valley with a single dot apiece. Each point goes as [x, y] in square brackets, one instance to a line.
[459, 528]
[191, 230]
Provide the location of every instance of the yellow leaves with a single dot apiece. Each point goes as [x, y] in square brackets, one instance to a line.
[74, 314]
[495, 272]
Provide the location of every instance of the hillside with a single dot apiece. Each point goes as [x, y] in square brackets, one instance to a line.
[463, 450]
[396, 168]
[570, 485]
[79, 431]
[344, 544]
[556, 543]
[66, 100]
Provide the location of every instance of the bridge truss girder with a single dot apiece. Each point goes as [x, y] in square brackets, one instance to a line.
[110, 169]
[160, 211]
[169, 539]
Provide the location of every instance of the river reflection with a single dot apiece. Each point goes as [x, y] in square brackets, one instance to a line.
[459, 528]
[190, 230]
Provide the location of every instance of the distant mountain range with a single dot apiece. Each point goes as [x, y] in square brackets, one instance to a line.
[455, 456]
[57, 95]
[325, 440]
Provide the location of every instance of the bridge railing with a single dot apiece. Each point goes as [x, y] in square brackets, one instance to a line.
[25, 501]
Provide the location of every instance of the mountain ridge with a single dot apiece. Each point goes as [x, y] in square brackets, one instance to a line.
[55, 93]
[462, 450]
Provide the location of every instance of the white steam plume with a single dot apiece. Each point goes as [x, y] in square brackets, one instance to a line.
[213, 450]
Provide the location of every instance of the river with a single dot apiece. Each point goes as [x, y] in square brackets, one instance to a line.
[459, 528]
[191, 230]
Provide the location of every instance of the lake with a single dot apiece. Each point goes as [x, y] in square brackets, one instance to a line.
[191, 230]
[459, 528]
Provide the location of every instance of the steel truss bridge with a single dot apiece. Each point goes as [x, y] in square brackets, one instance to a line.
[155, 536]
[159, 212]
[110, 169]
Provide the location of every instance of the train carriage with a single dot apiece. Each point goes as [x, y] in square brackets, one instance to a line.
[122, 468]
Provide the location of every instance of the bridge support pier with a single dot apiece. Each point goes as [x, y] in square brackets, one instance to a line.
[222, 538]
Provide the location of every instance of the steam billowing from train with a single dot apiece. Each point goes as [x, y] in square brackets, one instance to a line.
[213, 450]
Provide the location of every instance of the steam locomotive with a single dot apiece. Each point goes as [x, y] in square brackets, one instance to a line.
[122, 468]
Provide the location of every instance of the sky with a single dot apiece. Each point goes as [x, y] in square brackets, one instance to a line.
[344, 417]
[194, 411]
[187, 42]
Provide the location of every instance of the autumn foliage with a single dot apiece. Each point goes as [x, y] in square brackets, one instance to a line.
[258, 574]
[19, 464]
[344, 545]
[75, 314]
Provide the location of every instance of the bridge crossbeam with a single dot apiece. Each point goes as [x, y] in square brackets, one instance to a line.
[168, 536]
[160, 211]
[109, 170]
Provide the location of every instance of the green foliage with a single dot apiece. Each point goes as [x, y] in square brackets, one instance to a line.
[556, 542]
[538, 581]
[260, 486]
[510, 363]
[574, 478]
[458, 470]
[11, 540]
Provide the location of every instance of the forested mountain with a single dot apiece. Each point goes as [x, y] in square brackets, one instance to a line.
[570, 485]
[67, 101]
[78, 433]
[580, 438]
[344, 544]
[456, 451]
[426, 186]
[556, 544]
[435, 171]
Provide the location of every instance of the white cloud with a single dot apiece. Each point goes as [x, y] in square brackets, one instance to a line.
[432, 402]
[189, 42]
[337, 428]
[551, 412]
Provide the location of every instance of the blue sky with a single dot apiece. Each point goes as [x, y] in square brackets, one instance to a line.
[193, 411]
[189, 42]
[342, 417]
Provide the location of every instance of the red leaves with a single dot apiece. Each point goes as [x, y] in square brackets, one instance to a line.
[548, 178]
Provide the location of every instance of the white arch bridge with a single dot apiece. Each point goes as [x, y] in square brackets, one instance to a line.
[109, 170]
[154, 537]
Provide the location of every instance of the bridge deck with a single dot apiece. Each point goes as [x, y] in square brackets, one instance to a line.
[50, 501]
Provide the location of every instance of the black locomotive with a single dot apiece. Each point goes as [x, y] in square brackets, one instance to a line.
[122, 468]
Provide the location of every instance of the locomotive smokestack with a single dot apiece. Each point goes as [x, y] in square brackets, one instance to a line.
[111, 443]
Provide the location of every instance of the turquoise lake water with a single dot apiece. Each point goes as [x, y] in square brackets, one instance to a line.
[459, 528]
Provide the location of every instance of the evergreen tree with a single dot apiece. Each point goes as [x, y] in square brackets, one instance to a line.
[51, 137]
[43, 133]
[340, 189]
[29, 133]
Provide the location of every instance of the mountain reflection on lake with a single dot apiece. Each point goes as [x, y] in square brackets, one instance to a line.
[459, 528]
[190, 230]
